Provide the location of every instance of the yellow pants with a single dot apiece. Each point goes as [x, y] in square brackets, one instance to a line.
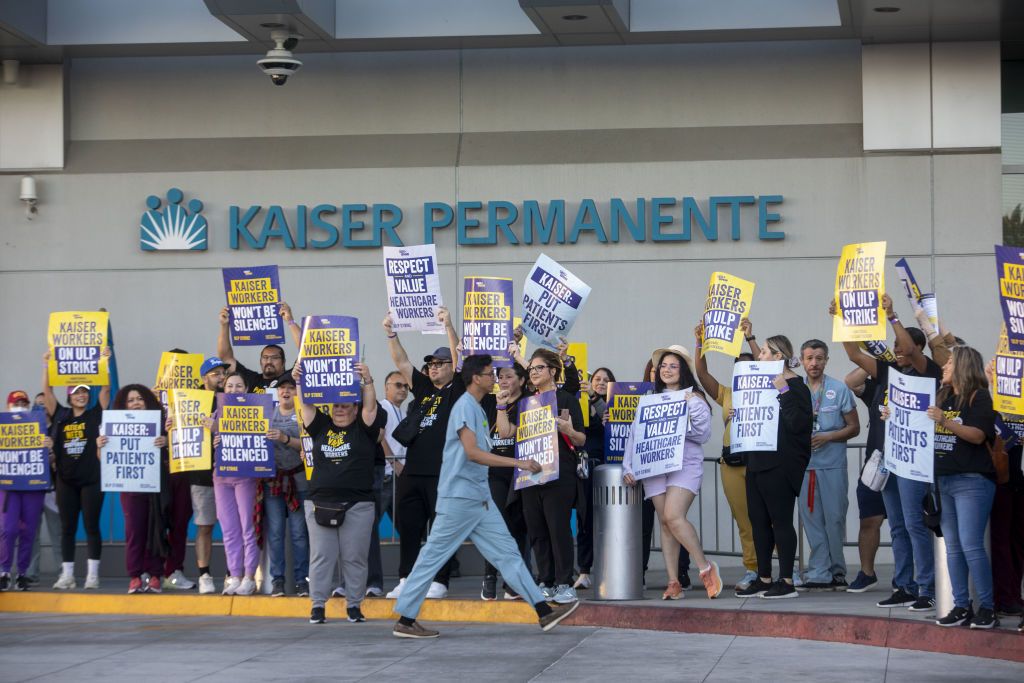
[734, 481]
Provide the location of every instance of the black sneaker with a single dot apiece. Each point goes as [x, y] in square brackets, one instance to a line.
[899, 598]
[277, 588]
[489, 590]
[5, 582]
[684, 581]
[23, 583]
[1009, 611]
[317, 616]
[815, 586]
[355, 615]
[779, 590]
[985, 618]
[839, 583]
[956, 617]
[756, 589]
[1020, 626]
[923, 604]
[302, 588]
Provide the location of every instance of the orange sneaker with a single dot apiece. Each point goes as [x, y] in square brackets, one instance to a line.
[712, 580]
[674, 591]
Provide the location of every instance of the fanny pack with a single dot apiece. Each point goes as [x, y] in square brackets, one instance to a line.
[932, 504]
[582, 458]
[330, 515]
[874, 475]
[408, 429]
[733, 460]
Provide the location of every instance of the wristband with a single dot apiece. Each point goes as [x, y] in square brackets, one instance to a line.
[783, 390]
[750, 338]
[392, 335]
[501, 407]
[893, 320]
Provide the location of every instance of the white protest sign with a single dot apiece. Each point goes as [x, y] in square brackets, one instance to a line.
[414, 288]
[909, 432]
[755, 425]
[552, 298]
[658, 436]
[130, 462]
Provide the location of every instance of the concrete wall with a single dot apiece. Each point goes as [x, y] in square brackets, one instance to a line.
[409, 127]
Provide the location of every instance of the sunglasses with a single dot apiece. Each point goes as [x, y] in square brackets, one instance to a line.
[438, 363]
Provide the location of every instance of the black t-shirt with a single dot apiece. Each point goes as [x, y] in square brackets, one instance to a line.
[425, 454]
[74, 445]
[255, 382]
[953, 455]
[876, 393]
[343, 458]
[796, 422]
[503, 447]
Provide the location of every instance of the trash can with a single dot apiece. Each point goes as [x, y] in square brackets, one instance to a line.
[618, 558]
[943, 584]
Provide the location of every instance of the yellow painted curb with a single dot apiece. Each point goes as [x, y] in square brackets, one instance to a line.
[256, 606]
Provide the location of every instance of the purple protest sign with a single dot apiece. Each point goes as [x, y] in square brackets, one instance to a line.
[242, 422]
[1010, 270]
[623, 398]
[328, 358]
[24, 460]
[254, 302]
[537, 439]
[487, 318]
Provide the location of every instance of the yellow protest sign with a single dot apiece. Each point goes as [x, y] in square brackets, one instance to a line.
[1007, 395]
[177, 371]
[860, 283]
[190, 438]
[305, 439]
[76, 340]
[728, 301]
[578, 352]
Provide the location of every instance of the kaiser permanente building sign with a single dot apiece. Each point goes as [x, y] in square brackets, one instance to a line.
[171, 226]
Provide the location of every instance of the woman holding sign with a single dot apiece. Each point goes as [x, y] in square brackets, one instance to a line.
[673, 493]
[142, 511]
[774, 478]
[964, 424]
[78, 474]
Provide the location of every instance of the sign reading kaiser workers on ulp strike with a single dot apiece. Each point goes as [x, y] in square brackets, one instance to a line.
[254, 302]
[860, 283]
[76, 341]
[728, 302]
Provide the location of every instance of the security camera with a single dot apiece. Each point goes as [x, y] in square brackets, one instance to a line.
[279, 63]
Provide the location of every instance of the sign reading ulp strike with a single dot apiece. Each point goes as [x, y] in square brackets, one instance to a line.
[414, 288]
[623, 398]
[860, 282]
[130, 462]
[76, 342]
[24, 460]
[254, 300]
[177, 371]
[552, 298]
[1008, 393]
[658, 434]
[189, 437]
[242, 422]
[328, 357]
[487, 318]
[1010, 267]
[909, 432]
[537, 439]
[755, 424]
[728, 302]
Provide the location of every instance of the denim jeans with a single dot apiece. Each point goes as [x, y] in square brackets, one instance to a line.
[902, 550]
[275, 516]
[966, 505]
[922, 539]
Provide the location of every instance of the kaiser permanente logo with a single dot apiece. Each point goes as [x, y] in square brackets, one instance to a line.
[170, 226]
[174, 228]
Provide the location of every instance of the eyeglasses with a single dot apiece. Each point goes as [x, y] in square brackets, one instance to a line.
[486, 374]
[538, 368]
[400, 385]
[438, 363]
[669, 366]
[264, 359]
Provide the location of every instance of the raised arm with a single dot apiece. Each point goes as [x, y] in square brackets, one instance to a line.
[862, 360]
[224, 350]
[103, 400]
[308, 411]
[700, 363]
[453, 337]
[293, 327]
[398, 355]
[855, 380]
[49, 400]
[369, 394]
[747, 328]
[903, 340]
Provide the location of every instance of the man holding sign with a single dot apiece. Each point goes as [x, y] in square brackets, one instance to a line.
[272, 363]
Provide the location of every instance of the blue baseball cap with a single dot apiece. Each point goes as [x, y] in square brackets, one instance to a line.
[442, 353]
[209, 364]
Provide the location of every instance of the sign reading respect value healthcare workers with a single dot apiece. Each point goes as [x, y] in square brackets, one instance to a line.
[1010, 269]
[130, 462]
[254, 303]
[909, 432]
[552, 299]
[76, 340]
[414, 288]
[755, 423]
[537, 439]
[623, 399]
[24, 460]
[242, 423]
[658, 434]
[860, 283]
[189, 436]
[487, 318]
[328, 355]
[728, 302]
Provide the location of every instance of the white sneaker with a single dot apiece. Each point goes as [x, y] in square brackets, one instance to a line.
[65, 582]
[565, 594]
[246, 587]
[206, 585]
[177, 581]
[797, 581]
[583, 581]
[231, 585]
[437, 591]
[745, 581]
[397, 590]
[92, 582]
[339, 592]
